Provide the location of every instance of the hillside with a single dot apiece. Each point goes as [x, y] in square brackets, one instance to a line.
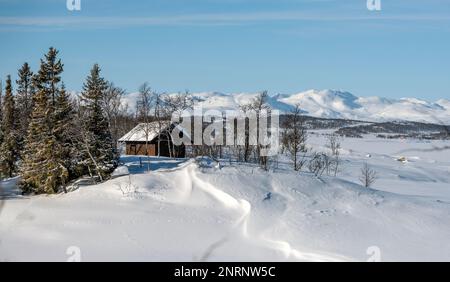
[332, 104]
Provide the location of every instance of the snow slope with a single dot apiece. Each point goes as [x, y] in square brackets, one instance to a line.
[332, 104]
[198, 211]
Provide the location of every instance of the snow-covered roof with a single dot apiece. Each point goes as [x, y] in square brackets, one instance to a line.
[147, 132]
[140, 132]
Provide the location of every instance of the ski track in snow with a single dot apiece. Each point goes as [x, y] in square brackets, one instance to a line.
[242, 224]
[192, 180]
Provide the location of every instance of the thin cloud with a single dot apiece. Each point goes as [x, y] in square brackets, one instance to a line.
[204, 19]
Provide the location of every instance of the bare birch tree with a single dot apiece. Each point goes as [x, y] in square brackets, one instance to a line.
[145, 104]
[174, 105]
[368, 176]
[294, 138]
[334, 144]
[257, 105]
[114, 109]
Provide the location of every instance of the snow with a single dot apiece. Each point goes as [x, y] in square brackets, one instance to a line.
[444, 103]
[339, 104]
[148, 131]
[197, 210]
[120, 171]
[143, 132]
[332, 104]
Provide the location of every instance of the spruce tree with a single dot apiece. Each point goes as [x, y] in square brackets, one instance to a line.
[64, 130]
[97, 141]
[24, 97]
[1, 100]
[8, 147]
[1, 111]
[44, 167]
[49, 76]
[42, 170]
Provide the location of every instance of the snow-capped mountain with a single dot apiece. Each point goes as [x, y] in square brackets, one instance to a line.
[338, 104]
[332, 104]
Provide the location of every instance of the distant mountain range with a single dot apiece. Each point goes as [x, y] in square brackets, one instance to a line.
[333, 104]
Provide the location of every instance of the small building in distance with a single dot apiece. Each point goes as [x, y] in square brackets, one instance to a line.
[144, 139]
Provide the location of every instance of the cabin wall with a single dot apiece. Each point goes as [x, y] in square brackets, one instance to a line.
[177, 151]
[139, 148]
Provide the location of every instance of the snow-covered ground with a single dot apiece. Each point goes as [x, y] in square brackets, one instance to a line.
[199, 211]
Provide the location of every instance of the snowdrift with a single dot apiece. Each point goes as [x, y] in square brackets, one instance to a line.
[196, 211]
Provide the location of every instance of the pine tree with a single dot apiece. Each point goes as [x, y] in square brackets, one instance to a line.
[1, 99]
[44, 167]
[97, 141]
[8, 147]
[42, 170]
[64, 130]
[1, 111]
[24, 97]
[49, 76]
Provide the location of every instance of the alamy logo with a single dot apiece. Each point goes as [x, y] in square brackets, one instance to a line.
[374, 5]
[73, 5]
[374, 253]
[74, 254]
[228, 128]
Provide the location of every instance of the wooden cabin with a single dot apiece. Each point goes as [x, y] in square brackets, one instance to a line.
[144, 139]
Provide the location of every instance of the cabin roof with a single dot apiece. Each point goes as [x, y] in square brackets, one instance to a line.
[147, 132]
[140, 132]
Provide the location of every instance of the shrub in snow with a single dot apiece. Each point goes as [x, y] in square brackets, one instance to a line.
[128, 189]
[368, 176]
[318, 163]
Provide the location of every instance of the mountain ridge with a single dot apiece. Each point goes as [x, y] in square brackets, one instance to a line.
[328, 103]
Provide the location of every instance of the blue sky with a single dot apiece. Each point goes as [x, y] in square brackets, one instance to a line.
[284, 46]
